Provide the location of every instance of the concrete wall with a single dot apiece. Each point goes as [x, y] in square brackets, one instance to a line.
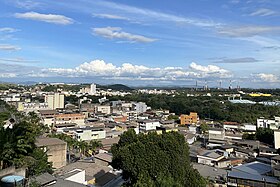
[13, 171]
[277, 139]
[57, 155]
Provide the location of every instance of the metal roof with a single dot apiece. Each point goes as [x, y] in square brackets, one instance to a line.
[256, 168]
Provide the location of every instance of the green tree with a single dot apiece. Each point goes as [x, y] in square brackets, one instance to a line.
[155, 160]
[265, 135]
[17, 145]
[94, 144]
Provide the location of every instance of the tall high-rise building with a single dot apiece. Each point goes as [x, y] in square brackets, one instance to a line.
[93, 89]
[55, 100]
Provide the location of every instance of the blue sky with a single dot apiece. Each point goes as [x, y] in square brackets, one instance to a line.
[141, 42]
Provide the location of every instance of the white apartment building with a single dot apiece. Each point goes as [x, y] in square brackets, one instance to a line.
[31, 107]
[147, 125]
[87, 133]
[11, 98]
[55, 100]
[140, 107]
[104, 109]
[273, 124]
[92, 89]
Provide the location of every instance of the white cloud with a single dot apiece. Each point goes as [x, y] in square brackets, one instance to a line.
[210, 70]
[19, 60]
[117, 33]
[27, 4]
[49, 18]
[268, 77]
[237, 60]
[8, 30]
[157, 15]
[110, 16]
[263, 41]
[99, 68]
[7, 75]
[7, 47]
[247, 31]
[263, 12]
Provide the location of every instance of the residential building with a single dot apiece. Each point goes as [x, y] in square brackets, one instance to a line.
[228, 125]
[248, 127]
[31, 107]
[216, 134]
[55, 100]
[192, 118]
[147, 125]
[86, 133]
[56, 150]
[92, 89]
[103, 109]
[47, 117]
[273, 124]
[140, 107]
[209, 157]
[78, 118]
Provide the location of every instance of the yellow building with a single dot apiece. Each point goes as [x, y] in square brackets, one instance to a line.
[259, 95]
[192, 118]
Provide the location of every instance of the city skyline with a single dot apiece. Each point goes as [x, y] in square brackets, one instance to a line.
[141, 43]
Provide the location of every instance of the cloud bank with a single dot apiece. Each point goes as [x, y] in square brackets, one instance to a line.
[140, 72]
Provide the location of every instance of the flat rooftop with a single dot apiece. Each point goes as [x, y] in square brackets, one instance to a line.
[49, 141]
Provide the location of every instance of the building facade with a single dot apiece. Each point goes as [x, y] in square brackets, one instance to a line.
[55, 100]
[189, 119]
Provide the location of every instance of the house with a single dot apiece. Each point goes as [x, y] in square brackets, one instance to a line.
[251, 174]
[56, 150]
[209, 157]
[190, 138]
[247, 127]
[228, 125]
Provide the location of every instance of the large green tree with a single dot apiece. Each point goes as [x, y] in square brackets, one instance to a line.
[155, 160]
[17, 145]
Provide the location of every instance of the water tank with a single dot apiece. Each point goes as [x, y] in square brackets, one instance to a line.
[12, 181]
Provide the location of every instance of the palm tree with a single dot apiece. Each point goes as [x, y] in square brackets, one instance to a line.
[94, 144]
[83, 147]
